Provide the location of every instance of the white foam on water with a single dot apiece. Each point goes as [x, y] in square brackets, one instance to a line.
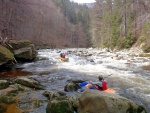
[126, 70]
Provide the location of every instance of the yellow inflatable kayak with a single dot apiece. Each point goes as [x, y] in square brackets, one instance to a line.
[64, 59]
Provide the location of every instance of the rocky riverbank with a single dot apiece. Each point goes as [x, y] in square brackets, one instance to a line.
[16, 51]
[92, 101]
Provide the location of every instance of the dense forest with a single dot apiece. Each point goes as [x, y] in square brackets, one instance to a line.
[121, 23]
[61, 23]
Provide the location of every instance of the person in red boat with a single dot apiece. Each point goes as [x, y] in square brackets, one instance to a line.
[100, 85]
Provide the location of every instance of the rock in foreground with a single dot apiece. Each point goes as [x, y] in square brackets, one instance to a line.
[93, 101]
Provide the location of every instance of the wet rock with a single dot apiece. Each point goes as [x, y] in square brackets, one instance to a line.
[74, 99]
[4, 84]
[119, 58]
[75, 81]
[146, 48]
[50, 95]
[59, 105]
[61, 93]
[5, 55]
[6, 99]
[71, 87]
[30, 101]
[29, 82]
[144, 55]
[93, 101]
[15, 90]
[23, 50]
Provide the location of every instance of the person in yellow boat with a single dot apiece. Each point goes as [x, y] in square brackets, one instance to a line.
[62, 55]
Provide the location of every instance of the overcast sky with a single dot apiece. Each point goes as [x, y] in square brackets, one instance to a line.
[84, 1]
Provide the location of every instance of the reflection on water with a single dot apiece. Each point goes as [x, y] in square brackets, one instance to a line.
[14, 73]
[12, 108]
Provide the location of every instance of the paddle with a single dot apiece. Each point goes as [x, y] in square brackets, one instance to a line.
[108, 76]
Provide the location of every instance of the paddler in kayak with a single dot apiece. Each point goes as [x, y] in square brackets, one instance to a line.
[100, 85]
[62, 55]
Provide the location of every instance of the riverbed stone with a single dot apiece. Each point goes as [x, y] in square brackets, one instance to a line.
[50, 95]
[93, 101]
[29, 82]
[59, 105]
[5, 55]
[6, 99]
[144, 55]
[71, 87]
[74, 99]
[4, 84]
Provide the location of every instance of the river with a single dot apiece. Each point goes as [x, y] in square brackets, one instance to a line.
[128, 76]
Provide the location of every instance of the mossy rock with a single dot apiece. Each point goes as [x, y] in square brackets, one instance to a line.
[144, 55]
[59, 106]
[140, 109]
[15, 92]
[20, 44]
[4, 84]
[27, 53]
[71, 87]
[7, 99]
[29, 82]
[5, 54]
[146, 49]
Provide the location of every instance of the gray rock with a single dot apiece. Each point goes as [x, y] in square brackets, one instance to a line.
[29, 82]
[50, 95]
[24, 49]
[71, 87]
[93, 101]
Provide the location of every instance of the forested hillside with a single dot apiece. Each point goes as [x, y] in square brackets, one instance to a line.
[121, 23]
[61, 23]
[44, 22]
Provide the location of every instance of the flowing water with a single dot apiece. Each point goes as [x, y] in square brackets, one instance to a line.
[129, 77]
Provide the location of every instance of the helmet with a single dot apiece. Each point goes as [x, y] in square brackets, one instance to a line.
[100, 78]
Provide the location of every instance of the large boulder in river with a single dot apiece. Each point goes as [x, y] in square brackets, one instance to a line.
[5, 55]
[23, 50]
[94, 101]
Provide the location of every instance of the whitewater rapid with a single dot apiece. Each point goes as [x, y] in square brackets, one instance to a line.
[128, 77]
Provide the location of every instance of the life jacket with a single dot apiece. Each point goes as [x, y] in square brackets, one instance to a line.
[63, 55]
[104, 85]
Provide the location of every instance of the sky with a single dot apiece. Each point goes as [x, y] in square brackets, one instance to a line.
[84, 1]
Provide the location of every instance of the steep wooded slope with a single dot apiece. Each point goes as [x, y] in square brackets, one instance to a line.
[40, 21]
